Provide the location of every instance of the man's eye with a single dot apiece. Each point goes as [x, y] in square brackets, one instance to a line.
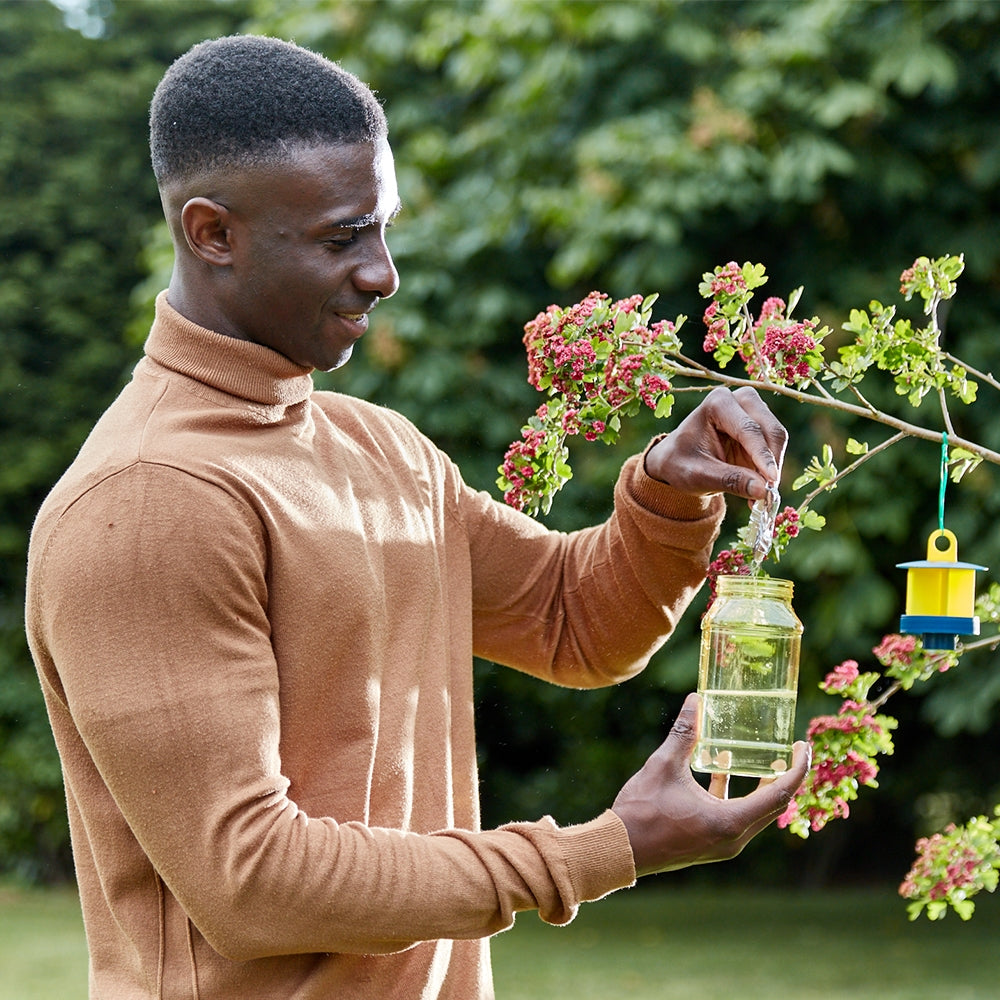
[345, 240]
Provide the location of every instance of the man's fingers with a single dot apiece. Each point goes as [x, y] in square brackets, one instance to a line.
[730, 442]
[711, 475]
[673, 821]
[748, 444]
[781, 788]
[718, 785]
[684, 732]
[778, 790]
[774, 434]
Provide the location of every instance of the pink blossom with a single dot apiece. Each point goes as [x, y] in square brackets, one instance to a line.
[629, 305]
[945, 865]
[790, 815]
[853, 767]
[896, 650]
[517, 465]
[619, 376]
[786, 522]
[652, 386]
[715, 336]
[728, 280]
[554, 345]
[728, 562]
[571, 421]
[907, 279]
[784, 349]
[841, 677]
[772, 308]
[717, 328]
[826, 723]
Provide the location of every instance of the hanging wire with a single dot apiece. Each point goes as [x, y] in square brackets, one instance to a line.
[944, 478]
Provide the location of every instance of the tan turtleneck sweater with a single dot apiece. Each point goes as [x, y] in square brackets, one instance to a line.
[254, 608]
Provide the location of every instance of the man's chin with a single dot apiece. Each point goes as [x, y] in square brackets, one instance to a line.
[329, 365]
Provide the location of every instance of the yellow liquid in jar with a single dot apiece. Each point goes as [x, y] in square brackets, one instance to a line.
[748, 678]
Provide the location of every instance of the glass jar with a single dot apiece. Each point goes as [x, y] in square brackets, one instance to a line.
[748, 678]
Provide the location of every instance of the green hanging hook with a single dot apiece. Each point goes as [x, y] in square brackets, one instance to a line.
[944, 478]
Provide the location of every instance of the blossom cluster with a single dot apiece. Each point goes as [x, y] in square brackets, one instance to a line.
[932, 280]
[906, 660]
[727, 280]
[728, 562]
[951, 867]
[959, 862]
[787, 525]
[787, 350]
[774, 347]
[844, 749]
[536, 464]
[596, 349]
[597, 360]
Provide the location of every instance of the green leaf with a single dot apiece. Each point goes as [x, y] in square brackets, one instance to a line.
[623, 323]
[858, 324]
[961, 461]
[664, 406]
[724, 354]
[811, 520]
[754, 275]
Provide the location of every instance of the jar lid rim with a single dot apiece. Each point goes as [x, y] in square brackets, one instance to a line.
[753, 583]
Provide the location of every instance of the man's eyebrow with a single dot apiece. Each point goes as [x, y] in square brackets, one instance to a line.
[361, 221]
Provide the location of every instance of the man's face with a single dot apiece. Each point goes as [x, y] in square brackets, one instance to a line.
[309, 257]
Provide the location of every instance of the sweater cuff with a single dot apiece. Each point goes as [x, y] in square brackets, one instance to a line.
[598, 856]
[661, 499]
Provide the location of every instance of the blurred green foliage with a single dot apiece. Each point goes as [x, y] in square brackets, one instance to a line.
[545, 149]
[76, 200]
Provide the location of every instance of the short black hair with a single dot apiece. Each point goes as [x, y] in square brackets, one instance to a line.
[245, 100]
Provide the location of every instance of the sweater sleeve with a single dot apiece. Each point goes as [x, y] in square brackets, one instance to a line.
[154, 646]
[589, 608]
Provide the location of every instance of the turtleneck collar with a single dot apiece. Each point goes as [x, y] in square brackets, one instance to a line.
[237, 367]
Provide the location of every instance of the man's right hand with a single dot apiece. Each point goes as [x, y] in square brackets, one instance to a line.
[673, 822]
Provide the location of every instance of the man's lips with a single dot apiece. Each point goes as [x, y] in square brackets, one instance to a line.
[358, 320]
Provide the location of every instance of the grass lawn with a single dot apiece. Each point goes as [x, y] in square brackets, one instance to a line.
[43, 955]
[652, 942]
[725, 944]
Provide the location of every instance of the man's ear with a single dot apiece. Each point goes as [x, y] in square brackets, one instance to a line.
[206, 226]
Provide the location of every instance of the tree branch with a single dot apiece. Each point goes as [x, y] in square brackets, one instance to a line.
[697, 371]
[830, 483]
[982, 376]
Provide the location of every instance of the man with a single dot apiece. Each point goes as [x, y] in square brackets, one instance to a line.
[253, 606]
